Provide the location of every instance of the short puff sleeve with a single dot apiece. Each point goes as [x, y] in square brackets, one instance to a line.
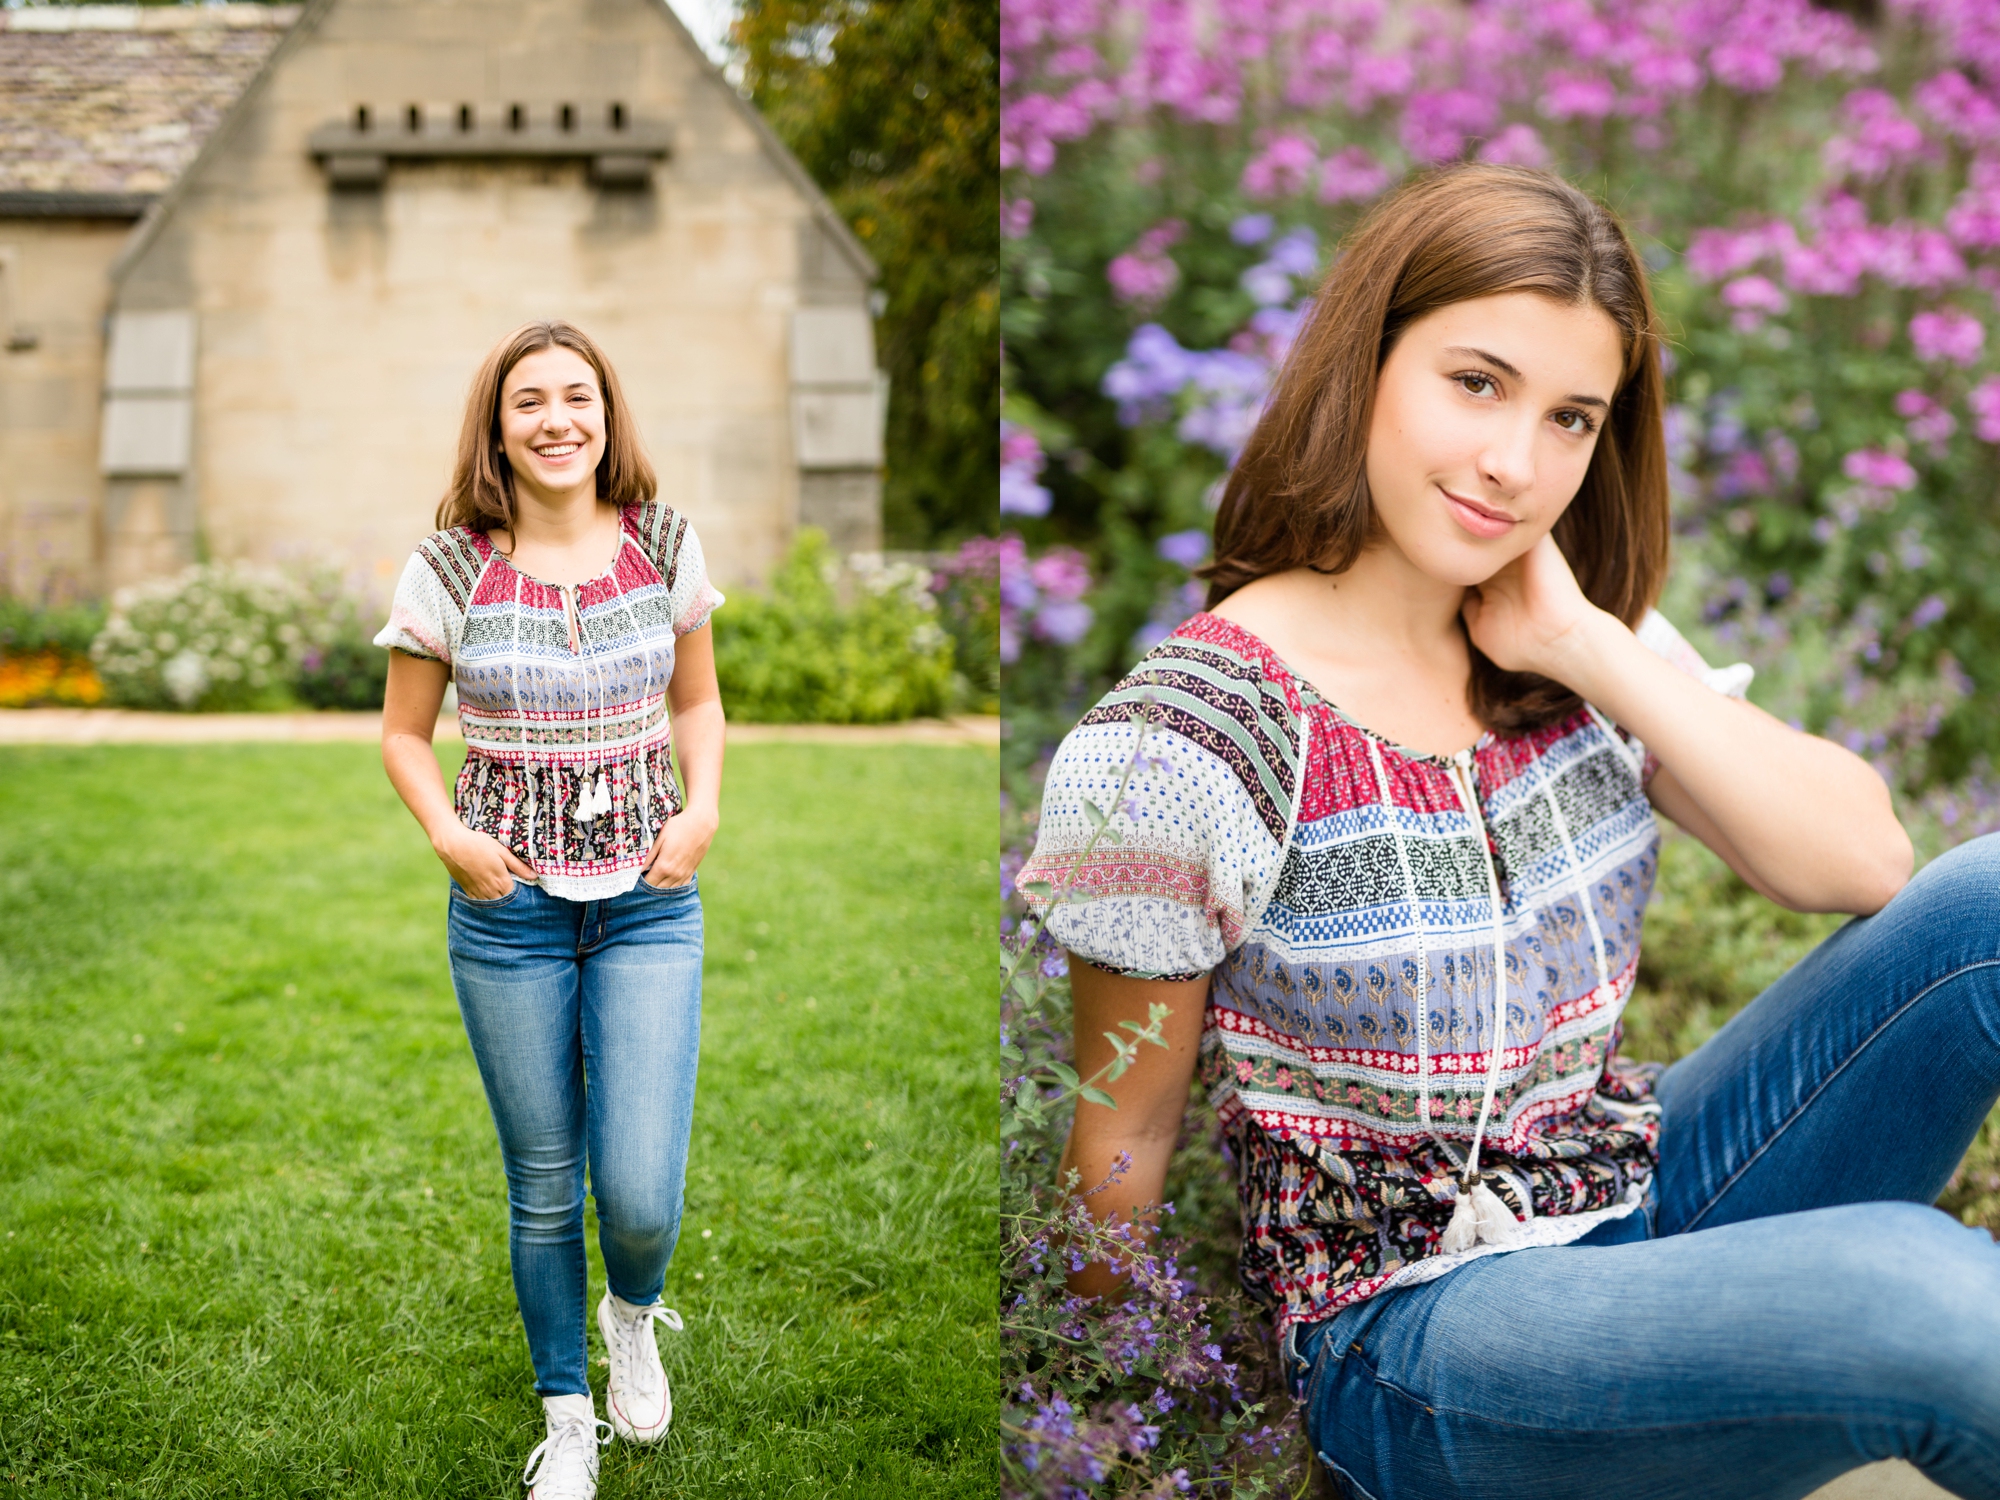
[691, 598]
[1171, 886]
[425, 619]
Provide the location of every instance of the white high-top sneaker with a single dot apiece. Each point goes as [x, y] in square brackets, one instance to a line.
[564, 1467]
[639, 1403]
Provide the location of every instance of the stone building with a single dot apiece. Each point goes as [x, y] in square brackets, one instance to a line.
[250, 257]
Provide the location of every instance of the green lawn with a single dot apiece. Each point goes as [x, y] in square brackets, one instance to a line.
[252, 1220]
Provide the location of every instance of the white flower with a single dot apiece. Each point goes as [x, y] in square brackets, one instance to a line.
[186, 677]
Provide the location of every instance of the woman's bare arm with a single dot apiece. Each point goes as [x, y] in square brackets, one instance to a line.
[1151, 1095]
[696, 703]
[1801, 819]
[480, 863]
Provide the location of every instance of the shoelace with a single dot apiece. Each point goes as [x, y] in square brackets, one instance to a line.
[638, 1372]
[574, 1440]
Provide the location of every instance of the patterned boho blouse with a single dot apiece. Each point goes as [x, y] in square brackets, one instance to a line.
[1353, 902]
[562, 692]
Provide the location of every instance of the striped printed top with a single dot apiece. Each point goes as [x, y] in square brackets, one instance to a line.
[562, 692]
[1341, 891]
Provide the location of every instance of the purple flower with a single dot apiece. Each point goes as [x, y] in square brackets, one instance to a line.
[1947, 334]
[1351, 175]
[1927, 613]
[1297, 253]
[1879, 469]
[1252, 229]
[1928, 421]
[1267, 284]
[1020, 463]
[1186, 549]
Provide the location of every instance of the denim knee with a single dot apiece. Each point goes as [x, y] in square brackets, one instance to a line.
[1961, 886]
[545, 1207]
[1934, 1334]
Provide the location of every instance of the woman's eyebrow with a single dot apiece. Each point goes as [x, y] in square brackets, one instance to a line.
[1507, 369]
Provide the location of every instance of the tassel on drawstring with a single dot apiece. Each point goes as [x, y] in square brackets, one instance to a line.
[592, 800]
[1481, 1218]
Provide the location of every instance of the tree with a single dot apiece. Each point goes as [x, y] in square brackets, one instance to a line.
[893, 107]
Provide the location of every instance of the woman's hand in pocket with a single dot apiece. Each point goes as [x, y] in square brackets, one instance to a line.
[680, 848]
[484, 868]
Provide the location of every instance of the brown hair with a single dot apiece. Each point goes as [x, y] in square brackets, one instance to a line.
[482, 482]
[1298, 496]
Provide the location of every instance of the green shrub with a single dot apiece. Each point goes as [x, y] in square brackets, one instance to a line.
[216, 636]
[68, 628]
[230, 636]
[860, 645]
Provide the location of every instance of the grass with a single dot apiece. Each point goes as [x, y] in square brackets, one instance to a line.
[252, 1220]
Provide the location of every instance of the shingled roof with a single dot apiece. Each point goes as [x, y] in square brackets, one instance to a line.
[102, 106]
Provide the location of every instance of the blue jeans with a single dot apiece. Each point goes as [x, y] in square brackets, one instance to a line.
[1786, 1308]
[555, 993]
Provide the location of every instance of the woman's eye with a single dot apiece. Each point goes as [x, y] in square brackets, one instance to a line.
[1476, 385]
[1575, 421]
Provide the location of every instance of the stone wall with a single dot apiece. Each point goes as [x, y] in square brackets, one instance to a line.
[338, 328]
[54, 291]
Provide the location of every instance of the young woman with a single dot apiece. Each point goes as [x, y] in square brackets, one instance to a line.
[570, 608]
[1386, 858]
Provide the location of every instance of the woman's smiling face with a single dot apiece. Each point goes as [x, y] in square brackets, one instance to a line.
[1486, 415]
[552, 420]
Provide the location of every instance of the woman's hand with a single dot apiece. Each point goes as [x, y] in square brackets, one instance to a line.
[680, 847]
[1528, 616]
[484, 868]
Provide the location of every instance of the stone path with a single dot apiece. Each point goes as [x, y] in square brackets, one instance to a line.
[123, 726]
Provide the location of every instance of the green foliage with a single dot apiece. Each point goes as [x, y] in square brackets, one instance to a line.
[253, 1224]
[827, 646]
[892, 105]
[69, 628]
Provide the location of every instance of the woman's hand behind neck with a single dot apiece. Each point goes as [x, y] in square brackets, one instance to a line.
[1380, 641]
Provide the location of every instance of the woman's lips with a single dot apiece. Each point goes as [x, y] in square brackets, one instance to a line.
[1479, 520]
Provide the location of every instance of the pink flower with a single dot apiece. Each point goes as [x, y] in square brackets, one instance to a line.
[1144, 276]
[1516, 146]
[1974, 216]
[1715, 253]
[1984, 400]
[1878, 137]
[1879, 469]
[1948, 334]
[1929, 422]
[1746, 66]
[1436, 124]
[1017, 218]
[1062, 574]
[1568, 96]
[1020, 465]
[1351, 175]
[1282, 168]
[1959, 108]
[1378, 76]
[1752, 298]
[1140, 280]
